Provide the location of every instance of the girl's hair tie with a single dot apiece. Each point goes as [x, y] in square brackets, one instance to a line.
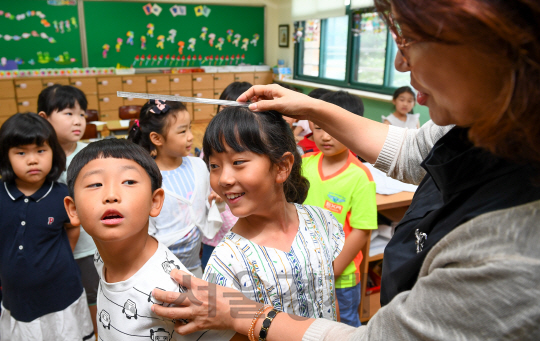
[137, 123]
[159, 107]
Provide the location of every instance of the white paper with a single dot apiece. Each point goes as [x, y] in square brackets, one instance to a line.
[98, 123]
[387, 185]
[124, 123]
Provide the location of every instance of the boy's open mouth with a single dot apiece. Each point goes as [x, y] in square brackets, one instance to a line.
[111, 217]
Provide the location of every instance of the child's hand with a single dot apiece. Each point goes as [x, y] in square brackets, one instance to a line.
[213, 196]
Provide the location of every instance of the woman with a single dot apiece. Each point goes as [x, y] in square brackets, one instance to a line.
[472, 267]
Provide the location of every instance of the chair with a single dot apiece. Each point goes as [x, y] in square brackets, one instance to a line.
[91, 115]
[90, 132]
[127, 112]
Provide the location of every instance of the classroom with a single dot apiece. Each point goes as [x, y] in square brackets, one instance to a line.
[269, 170]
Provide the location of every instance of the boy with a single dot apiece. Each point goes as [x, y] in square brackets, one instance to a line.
[114, 187]
[340, 183]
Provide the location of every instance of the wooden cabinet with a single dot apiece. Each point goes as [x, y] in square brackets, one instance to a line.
[6, 89]
[108, 115]
[86, 84]
[202, 112]
[158, 84]
[93, 102]
[262, 78]
[244, 77]
[180, 82]
[134, 83]
[222, 80]
[135, 101]
[202, 81]
[27, 104]
[109, 85]
[203, 93]
[28, 88]
[54, 80]
[8, 107]
[108, 107]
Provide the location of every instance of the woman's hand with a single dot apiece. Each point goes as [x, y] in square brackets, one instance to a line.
[205, 306]
[275, 97]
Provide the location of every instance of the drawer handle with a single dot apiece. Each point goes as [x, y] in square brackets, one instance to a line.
[103, 115]
[198, 79]
[216, 93]
[153, 81]
[197, 109]
[197, 95]
[257, 77]
[77, 83]
[48, 84]
[176, 80]
[130, 98]
[22, 85]
[128, 81]
[24, 103]
[236, 78]
[217, 78]
[104, 99]
[103, 82]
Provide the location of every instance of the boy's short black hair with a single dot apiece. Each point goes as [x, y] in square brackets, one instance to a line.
[346, 101]
[116, 149]
[318, 93]
[24, 129]
[59, 97]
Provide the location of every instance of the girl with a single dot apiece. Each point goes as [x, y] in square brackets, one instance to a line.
[231, 93]
[164, 129]
[64, 107]
[404, 100]
[279, 252]
[43, 295]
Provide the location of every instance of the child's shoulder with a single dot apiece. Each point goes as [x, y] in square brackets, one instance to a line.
[310, 155]
[196, 162]
[60, 188]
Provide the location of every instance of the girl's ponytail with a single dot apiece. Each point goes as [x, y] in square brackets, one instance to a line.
[296, 186]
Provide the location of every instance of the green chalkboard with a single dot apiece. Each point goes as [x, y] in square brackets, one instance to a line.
[108, 23]
[36, 35]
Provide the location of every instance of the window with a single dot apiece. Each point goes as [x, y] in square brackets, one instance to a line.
[352, 51]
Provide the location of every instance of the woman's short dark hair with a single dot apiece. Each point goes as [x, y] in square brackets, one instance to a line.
[346, 101]
[233, 91]
[263, 133]
[318, 93]
[59, 97]
[116, 149]
[24, 129]
[149, 122]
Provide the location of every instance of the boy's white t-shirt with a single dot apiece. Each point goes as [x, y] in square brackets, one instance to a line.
[124, 308]
[85, 244]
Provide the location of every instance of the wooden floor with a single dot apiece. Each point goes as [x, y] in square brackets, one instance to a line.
[198, 130]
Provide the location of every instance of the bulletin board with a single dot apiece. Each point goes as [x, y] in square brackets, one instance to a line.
[156, 34]
[37, 34]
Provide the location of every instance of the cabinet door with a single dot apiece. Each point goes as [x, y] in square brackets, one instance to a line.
[202, 81]
[93, 102]
[26, 88]
[27, 104]
[110, 102]
[108, 115]
[157, 84]
[109, 85]
[203, 93]
[135, 101]
[180, 82]
[6, 89]
[86, 84]
[203, 112]
[54, 80]
[244, 77]
[185, 93]
[8, 107]
[134, 83]
[222, 80]
[262, 78]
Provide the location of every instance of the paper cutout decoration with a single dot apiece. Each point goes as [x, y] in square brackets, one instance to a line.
[167, 57]
[211, 38]
[232, 60]
[156, 10]
[203, 34]
[172, 35]
[192, 42]
[229, 35]
[45, 23]
[200, 60]
[64, 59]
[106, 48]
[74, 22]
[68, 26]
[181, 47]
[61, 24]
[210, 60]
[130, 36]
[56, 28]
[183, 60]
[143, 58]
[161, 41]
[217, 58]
[188, 60]
[236, 39]
[226, 60]
[148, 59]
[245, 43]
[206, 11]
[243, 57]
[143, 43]
[118, 44]
[43, 57]
[135, 61]
[154, 59]
[178, 10]
[160, 58]
[221, 59]
[147, 9]
[150, 31]
[219, 45]
[255, 39]
[198, 12]
[31, 62]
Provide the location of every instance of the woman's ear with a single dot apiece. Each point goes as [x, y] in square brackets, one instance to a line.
[284, 167]
[156, 139]
[71, 210]
[158, 197]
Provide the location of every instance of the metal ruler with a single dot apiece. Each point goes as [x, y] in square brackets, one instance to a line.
[181, 99]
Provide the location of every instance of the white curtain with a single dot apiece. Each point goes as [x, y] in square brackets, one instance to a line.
[317, 9]
[355, 4]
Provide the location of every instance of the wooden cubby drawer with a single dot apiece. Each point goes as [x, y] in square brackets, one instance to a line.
[109, 85]
[202, 81]
[203, 112]
[4, 119]
[86, 84]
[110, 102]
[93, 102]
[27, 104]
[180, 82]
[8, 107]
[134, 83]
[157, 84]
[262, 78]
[135, 101]
[203, 93]
[54, 80]
[108, 115]
[7, 89]
[26, 88]
[222, 80]
[244, 77]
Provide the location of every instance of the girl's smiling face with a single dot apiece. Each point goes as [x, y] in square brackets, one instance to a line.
[245, 180]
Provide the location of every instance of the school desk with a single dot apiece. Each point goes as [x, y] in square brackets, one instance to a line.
[393, 206]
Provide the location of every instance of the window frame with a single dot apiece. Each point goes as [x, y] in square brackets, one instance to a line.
[348, 82]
